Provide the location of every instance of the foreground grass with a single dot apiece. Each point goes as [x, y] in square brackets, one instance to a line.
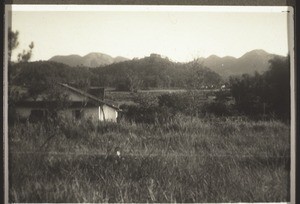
[185, 160]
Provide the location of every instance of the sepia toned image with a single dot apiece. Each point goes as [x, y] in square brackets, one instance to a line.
[149, 104]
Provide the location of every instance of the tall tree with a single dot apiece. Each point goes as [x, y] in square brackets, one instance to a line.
[13, 42]
[278, 80]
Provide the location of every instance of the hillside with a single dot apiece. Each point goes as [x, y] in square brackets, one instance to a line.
[255, 60]
[149, 72]
[154, 71]
[93, 59]
[146, 73]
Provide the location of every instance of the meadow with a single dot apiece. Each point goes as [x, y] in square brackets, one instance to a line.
[187, 159]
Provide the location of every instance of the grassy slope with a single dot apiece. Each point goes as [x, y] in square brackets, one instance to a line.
[186, 160]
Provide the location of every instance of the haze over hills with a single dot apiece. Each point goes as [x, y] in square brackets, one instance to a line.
[255, 60]
[93, 59]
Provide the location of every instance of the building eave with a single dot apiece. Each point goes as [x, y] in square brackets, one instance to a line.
[99, 101]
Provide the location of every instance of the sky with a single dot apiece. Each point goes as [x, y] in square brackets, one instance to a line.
[180, 35]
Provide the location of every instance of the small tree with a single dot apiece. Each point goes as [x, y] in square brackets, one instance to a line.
[13, 42]
[134, 82]
[55, 93]
[25, 56]
[199, 76]
[13, 95]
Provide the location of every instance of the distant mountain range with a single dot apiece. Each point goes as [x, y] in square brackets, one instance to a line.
[255, 60]
[93, 59]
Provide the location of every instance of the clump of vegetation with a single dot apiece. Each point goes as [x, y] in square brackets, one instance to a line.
[264, 94]
[217, 108]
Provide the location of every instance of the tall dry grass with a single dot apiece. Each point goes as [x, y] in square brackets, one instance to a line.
[183, 160]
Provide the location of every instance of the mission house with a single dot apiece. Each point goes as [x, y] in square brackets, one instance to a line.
[81, 105]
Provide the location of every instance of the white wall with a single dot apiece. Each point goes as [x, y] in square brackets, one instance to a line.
[93, 113]
[107, 113]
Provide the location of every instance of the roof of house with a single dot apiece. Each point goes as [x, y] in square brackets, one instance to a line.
[83, 93]
[93, 99]
[51, 104]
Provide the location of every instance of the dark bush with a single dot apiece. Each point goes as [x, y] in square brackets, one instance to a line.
[122, 87]
[74, 129]
[264, 94]
[216, 108]
[12, 115]
[189, 103]
[152, 114]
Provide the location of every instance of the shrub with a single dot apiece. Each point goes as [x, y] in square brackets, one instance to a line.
[189, 103]
[151, 114]
[75, 129]
[146, 100]
[216, 108]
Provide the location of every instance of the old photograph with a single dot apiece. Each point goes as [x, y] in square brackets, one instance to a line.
[148, 104]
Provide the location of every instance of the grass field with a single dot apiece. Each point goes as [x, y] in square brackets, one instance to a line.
[185, 160]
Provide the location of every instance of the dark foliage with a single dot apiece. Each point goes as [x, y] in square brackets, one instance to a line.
[40, 76]
[13, 41]
[216, 108]
[189, 103]
[199, 77]
[195, 103]
[150, 115]
[265, 94]
[245, 90]
[278, 81]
